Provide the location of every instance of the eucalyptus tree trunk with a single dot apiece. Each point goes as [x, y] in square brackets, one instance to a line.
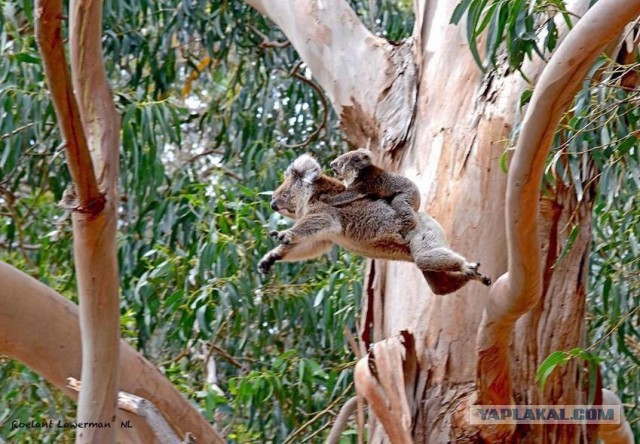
[90, 126]
[428, 111]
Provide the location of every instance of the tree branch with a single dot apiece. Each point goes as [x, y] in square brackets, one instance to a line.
[518, 291]
[334, 44]
[384, 377]
[40, 328]
[50, 42]
[97, 111]
[341, 420]
[323, 101]
[89, 123]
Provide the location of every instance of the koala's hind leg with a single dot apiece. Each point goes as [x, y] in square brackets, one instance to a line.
[442, 282]
[445, 282]
[402, 204]
[443, 259]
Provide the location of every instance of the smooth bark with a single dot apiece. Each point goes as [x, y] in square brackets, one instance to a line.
[51, 43]
[370, 82]
[92, 156]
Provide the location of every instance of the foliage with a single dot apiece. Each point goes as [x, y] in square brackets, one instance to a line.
[560, 358]
[208, 111]
[515, 29]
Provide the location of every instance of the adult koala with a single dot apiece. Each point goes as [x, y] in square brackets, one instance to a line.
[368, 227]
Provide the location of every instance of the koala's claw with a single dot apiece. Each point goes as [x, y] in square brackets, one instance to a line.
[471, 269]
[486, 280]
[284, 237]
[264, 267]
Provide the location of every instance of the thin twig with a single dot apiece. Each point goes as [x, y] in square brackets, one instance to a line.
[226, 171]
[266, 42]
[16, 131]
[10, 200]
[325, 107]
[31, 247]
[614, 329]
[317, 416]
[226, 356]
[202, 154]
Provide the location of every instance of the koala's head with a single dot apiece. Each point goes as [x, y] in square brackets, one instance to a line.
[298, 185]
[350, 164]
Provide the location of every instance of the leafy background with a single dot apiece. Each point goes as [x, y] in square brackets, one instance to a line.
[211, 115]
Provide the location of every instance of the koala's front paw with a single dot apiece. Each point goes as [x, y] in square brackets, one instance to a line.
[285, 237]
[472, 270]
[265, 264]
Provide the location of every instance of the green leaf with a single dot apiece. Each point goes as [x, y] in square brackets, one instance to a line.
[459, 11]
[24, 57]
[568, 244]
[547, 366]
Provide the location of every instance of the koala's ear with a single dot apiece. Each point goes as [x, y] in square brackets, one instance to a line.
[364, 153]
[305, 168]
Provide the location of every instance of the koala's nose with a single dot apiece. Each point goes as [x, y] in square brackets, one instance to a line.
[274, 205]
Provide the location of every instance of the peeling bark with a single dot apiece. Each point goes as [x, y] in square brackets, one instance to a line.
[51, 347]
[612, 433]
[518, 291]
[385, 378]
[376, 92]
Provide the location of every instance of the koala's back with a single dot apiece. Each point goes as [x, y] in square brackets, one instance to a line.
[375, 181]
[370, 229]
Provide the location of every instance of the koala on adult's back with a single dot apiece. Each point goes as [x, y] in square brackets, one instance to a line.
[364, 179]
[366, 227]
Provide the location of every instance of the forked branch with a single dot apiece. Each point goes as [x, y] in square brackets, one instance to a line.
[95, 100]
[51, 44]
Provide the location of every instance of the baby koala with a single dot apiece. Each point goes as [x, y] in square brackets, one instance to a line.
[363, 179]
